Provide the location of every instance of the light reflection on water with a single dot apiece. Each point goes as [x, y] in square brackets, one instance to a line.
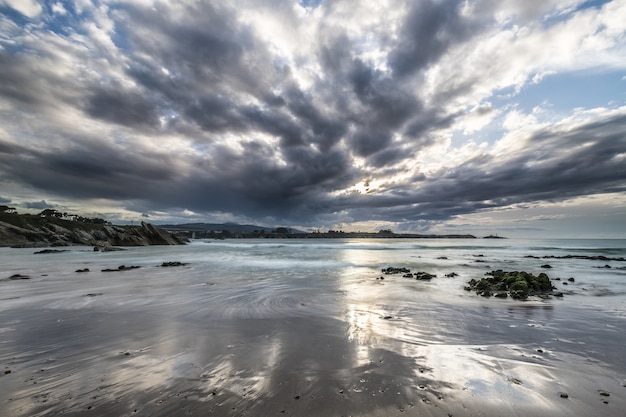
[248, 323]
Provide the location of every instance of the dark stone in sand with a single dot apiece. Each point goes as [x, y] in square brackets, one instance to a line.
[604, 393]
[546, 266]
[83, 270]
[19, 276]
[49, 251]
[393, 271]
[591, 258]
[563, 395]
[452, 275]
[121, 268]
[443, 257]
[174, 263]
[424, 276]
[571, 279]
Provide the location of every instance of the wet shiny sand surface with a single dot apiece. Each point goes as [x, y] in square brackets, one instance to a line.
[227, 339]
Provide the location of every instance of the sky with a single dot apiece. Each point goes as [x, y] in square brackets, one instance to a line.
[499, 117]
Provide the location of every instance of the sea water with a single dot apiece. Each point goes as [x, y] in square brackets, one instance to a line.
[146, 329]
[269, 277]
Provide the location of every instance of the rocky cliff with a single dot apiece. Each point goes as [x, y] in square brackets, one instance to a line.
[57, 233]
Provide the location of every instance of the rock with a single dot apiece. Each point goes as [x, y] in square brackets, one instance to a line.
[452, 275]
[563, 395]
[518, 284]
[591, 258]
[18, 276]
[175, 263]
[82, 270]
[393, 271]
[442, 257]
[45, 251]
[604, 393]
[571, 280]
[424, 276]
[35, 231]
[409, 275]
[546, 266]
[121, 268]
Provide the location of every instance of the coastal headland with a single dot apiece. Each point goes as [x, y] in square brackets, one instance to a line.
[52, 228]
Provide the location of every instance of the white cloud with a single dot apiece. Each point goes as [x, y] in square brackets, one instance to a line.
[29, 8]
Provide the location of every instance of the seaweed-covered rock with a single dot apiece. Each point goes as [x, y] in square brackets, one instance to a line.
[393, 271]
[517, 284]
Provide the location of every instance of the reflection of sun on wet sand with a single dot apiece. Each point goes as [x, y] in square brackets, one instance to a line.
[297, 340]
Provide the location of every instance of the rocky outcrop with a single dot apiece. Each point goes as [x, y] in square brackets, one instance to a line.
[75, 233]
[517, 284]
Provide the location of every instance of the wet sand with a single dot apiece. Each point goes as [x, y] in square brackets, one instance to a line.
[90, 363]
[177, 342]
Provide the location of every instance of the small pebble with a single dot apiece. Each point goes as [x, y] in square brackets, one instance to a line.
[563, 395]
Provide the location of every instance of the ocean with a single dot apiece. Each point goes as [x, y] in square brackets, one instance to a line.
[312, 327]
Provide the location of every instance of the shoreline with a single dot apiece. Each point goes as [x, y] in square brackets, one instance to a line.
[304, 330]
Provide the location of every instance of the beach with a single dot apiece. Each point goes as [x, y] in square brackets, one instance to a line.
[301, 328]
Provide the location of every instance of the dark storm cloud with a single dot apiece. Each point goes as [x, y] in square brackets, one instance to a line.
[192, 108]
[87, 170]
[121, 107]
[38, 205]
[429, 29]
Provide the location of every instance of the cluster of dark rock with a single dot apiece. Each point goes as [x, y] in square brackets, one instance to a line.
[406, 273]
[394, 271]
[516, 284]
[120, 268]
[174, 263]
[587, 257]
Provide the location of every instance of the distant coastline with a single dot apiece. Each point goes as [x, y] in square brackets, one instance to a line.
[236, 231]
